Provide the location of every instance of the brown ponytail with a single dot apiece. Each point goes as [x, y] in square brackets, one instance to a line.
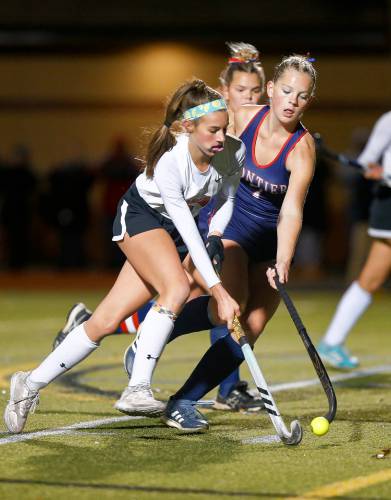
[187, 96]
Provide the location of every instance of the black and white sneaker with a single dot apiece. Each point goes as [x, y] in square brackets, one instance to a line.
[75, 317]
[240, 398]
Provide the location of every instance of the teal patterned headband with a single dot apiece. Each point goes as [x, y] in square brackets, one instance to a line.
[204, 109]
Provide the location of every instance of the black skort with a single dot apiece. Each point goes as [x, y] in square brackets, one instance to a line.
[135, 216]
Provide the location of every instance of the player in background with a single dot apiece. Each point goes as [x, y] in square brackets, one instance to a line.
[376, 158]
[154, 226]
[242, 83]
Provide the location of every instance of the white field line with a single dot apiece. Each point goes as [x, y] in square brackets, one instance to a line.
[300, 384]
[262, 439]
[70, 429]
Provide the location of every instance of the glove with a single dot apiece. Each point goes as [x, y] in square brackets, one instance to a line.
[215, 249]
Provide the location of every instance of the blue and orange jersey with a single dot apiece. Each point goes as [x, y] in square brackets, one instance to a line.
[262, 187]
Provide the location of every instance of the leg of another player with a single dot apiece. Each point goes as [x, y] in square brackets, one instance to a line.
[233, 393]
[262, 304]
[353, 304]
[377, 266]
[223, 357]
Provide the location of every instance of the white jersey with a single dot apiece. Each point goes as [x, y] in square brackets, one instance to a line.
[178, 190]
[378, 147]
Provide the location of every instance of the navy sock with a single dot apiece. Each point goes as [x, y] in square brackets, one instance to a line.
[193, 318]
[229, 382]
[143, 311]
[218, 362]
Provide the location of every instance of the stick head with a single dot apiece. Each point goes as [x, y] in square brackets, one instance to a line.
[296, 434]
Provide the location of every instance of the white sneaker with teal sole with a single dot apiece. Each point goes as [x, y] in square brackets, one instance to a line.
[337, 356]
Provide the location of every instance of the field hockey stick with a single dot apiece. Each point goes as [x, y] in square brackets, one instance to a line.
[312, 352]
[292, 437]
[343, 159]
[295, 435]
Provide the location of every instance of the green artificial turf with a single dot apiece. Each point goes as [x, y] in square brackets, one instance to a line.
[142, 458]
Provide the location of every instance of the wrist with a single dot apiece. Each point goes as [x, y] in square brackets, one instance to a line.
[283, 262]
[216, 290]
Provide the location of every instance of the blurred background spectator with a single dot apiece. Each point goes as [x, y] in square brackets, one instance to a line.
[115, 174]
[18, 184]
[66, 208]
[310, 258]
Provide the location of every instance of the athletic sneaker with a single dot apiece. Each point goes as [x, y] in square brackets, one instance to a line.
[337, 356]
[23, 400]
[183, 415]
[75, 317]
[239, 399]
[138, 400]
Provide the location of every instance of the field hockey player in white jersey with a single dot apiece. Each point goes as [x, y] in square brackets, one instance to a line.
[376, 162]
[242, 83]
[154, 228]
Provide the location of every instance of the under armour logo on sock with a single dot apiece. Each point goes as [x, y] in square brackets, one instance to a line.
[63, 366]
[151, 357]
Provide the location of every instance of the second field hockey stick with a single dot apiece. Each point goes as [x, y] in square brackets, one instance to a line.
[312, 352]
[292, 437]
[341, 158]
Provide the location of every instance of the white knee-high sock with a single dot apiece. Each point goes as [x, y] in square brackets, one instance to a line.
[75, 347]
[152, 338]
[352, 305]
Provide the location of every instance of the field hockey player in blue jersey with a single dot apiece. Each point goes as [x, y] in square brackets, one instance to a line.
[264, 227]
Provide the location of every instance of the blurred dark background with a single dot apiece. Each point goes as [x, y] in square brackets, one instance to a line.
[82, 81]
